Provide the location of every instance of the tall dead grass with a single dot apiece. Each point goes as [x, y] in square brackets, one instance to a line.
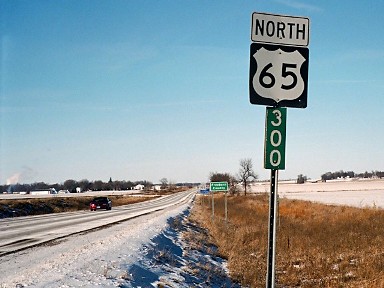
[317, 245]
[24, 207]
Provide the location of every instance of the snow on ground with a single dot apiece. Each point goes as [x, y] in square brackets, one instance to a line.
[358, 193]
[169, 261]
[148, 251]
[143, 252]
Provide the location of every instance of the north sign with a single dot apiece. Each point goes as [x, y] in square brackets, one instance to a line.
[280, 29]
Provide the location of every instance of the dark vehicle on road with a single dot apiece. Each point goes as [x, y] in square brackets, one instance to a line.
[100, 203]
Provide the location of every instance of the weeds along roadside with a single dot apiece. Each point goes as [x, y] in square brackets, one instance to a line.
[38, 206]
[317, 245]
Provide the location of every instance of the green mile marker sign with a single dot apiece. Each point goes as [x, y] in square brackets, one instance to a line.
[275, 130]
[218, 186]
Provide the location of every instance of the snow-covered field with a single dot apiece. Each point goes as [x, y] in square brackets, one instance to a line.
[148, 252]
[357, 193]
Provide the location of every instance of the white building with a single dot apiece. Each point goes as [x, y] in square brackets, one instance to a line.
[44, 191]
[139, 187]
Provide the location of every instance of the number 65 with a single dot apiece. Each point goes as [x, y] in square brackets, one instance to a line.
[285, 72]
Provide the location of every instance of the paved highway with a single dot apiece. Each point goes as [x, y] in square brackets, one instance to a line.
[23, 232]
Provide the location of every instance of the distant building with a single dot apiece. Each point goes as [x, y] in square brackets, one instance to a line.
[43, 191]
[139, 187]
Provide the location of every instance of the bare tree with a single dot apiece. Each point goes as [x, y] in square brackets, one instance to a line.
[301, 179]
[233, 188]
[219, 177]
[70, 185]
[164, 183]
[84, 185]
[246, 173]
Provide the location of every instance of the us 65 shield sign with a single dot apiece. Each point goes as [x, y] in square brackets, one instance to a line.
[278, 75]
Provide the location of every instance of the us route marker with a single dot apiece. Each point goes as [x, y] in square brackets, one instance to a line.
[279, 60]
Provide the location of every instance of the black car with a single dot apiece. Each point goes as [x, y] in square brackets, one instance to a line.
[100, 203]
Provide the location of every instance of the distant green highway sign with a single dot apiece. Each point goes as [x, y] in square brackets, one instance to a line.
[219, 186]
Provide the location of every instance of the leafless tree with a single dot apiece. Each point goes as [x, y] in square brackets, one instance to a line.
[246, 173]
[219, 177]
[164, 183]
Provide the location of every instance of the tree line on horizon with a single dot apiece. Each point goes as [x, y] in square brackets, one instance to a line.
[245, 176]
[350, 174]
[84, 185]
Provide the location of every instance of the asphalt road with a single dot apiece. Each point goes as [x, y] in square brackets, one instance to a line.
[23, 232]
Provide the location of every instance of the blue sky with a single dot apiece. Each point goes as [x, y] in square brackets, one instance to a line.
[149, 89]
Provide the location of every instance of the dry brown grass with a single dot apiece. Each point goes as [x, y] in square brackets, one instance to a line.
[317, 245]
[23, 207]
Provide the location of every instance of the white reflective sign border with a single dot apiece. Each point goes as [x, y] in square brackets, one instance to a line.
[280, 29]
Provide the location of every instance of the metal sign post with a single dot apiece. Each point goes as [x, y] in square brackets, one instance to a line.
[226, 207]
[219, 186]
[278, 77]
[213, 206]
[274, 159]
[273, 206]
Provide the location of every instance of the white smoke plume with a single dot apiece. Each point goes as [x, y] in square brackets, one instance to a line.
[14, 179]
[26, 174]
